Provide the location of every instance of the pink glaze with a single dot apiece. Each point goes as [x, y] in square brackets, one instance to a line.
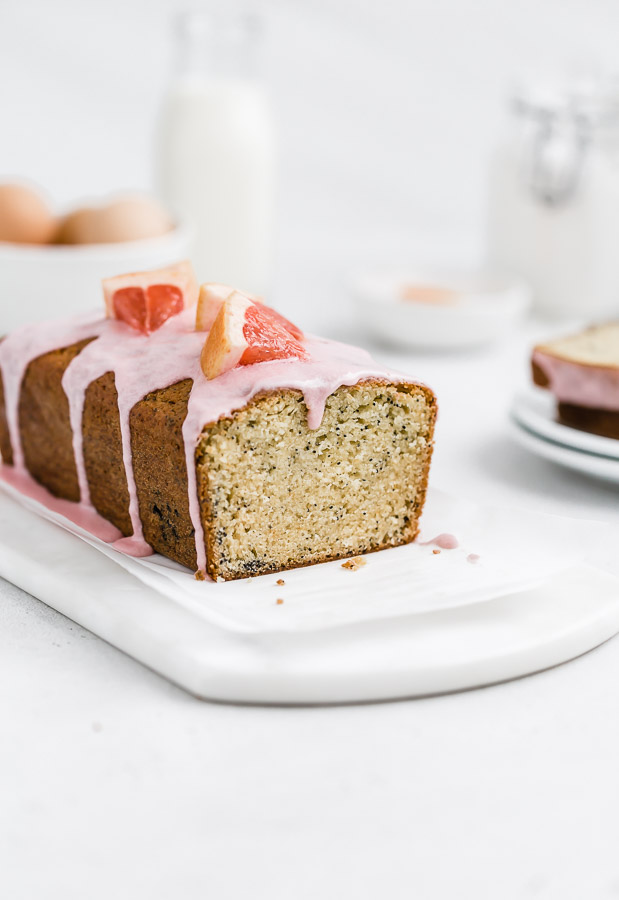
[142, 364]
[582, 385]
[473, 557]
[84, 516]
[20, 348]
[444, 541]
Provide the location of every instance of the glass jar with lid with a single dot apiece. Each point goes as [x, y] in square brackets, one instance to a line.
[554, 197]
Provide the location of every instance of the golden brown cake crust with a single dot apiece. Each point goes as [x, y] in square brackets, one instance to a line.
[103, 453]
[45, 426]
[5, 443]
[160, 472]
[604, 422]
[539, 376]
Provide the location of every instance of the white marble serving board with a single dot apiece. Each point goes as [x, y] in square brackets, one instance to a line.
[422, 653]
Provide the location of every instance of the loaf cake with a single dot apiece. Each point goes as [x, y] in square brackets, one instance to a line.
[582, 372]
[294, 451]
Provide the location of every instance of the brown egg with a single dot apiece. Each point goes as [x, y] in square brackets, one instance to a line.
[127, 219]
[73, 227]
[25, 218]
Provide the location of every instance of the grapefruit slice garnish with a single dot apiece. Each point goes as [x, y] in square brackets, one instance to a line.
[145, 300]
[211, 300]
[245, 333]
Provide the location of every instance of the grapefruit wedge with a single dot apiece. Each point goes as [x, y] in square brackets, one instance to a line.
[244, 333]
[211, 300]
[145, 300]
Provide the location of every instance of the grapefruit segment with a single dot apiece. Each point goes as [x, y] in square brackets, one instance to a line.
[163, 301]
[211, 300]
[129, 305]
[145, 300]
[290, 327]
[245, 333]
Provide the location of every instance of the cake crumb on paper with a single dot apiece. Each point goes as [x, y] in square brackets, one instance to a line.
[280, 581]
[436, 552]
[279, 601]
[353, 564]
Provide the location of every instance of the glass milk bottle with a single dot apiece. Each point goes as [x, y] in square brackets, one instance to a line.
[554, 198]
[215, 154]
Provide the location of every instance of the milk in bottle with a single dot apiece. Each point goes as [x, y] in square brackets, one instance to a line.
[215, 151]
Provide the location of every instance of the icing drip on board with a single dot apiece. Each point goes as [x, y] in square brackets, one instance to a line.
[444, 541]
[143, 364]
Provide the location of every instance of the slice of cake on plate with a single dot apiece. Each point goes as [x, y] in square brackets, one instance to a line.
[582, 372]
[223, 437]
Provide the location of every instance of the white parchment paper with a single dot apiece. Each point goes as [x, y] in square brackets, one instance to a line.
[516, 550]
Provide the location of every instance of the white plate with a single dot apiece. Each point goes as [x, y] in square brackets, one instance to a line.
[603, 467]
[534, 409]
[421, 654]
[488, 309]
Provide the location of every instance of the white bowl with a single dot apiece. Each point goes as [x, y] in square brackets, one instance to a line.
[485, 308]
[47, 282]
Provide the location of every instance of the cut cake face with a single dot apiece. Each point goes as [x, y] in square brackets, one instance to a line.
[354, 485]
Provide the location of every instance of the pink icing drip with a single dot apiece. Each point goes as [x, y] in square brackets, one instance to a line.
[19, 349]
[144, 364]
[141, 364]
[444, 541]
[473, 557]
[582, 385]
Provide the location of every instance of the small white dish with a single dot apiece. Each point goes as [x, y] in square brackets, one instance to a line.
[534, 409]
[48, 282]
[478, 307]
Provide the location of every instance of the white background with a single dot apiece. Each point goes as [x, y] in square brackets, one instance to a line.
[386, 111]
[115, 784]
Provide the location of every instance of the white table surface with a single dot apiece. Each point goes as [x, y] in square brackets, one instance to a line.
[114, 783]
